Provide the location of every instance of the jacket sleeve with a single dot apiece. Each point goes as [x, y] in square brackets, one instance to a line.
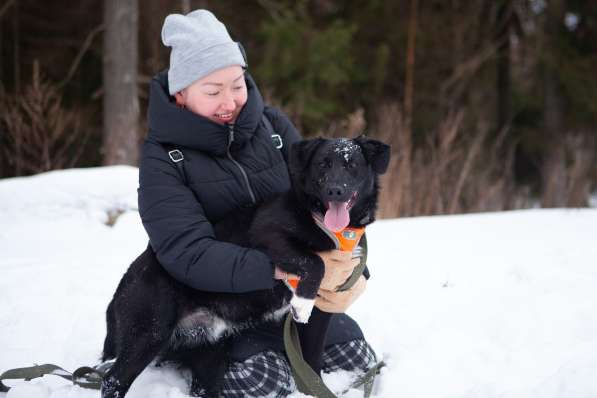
[184, 239]
[283, 126]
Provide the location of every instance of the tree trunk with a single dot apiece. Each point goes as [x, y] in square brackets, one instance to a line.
[121, 103]
[16, 49]
[503, 65]
[405, 200]
[186, 6]
[410, 65]
[554, 162]
[1, 62]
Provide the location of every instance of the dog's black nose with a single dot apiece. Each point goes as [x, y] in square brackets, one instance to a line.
[335, 193]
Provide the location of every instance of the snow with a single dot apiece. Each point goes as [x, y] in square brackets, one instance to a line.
[571, 21]
[346, 148]
[481, 305]
[593, 200]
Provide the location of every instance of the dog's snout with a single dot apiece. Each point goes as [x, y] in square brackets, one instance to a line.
[335, 192]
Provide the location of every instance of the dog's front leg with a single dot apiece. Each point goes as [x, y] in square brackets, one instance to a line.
[310, 269]
[312, 336]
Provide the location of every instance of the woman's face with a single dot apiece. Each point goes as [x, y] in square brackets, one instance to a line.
[218, 96]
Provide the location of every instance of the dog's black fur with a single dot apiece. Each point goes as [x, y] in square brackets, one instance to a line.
[153, 315]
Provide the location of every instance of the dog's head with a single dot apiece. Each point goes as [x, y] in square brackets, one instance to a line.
[338, 178]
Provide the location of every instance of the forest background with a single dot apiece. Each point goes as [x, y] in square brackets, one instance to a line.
[488, 104]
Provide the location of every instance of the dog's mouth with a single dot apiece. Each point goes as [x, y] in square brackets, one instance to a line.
[337, 216]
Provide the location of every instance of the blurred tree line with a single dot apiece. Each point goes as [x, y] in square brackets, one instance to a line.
[488, 104]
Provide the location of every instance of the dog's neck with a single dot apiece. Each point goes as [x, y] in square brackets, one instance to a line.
[346, 239]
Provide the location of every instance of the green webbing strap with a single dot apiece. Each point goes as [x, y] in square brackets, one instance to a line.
[358, 270]
[307, 381]
[86, 377]
[367, 380]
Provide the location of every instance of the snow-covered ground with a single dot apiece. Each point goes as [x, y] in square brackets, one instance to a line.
[483, 305]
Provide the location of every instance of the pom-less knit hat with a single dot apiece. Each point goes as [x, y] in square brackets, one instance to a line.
[200, 45]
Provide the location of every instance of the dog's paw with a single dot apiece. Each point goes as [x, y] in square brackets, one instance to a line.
[301, 308]
[111, 388]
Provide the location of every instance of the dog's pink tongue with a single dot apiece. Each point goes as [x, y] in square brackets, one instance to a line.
[336, 217]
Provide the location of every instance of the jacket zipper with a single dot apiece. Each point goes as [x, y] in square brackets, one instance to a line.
[230, 140]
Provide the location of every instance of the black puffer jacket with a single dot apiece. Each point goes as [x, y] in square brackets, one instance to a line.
[222, 175]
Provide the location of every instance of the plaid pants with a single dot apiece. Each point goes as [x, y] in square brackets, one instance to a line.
[268, 373]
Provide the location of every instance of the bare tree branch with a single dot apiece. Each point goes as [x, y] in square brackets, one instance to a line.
[79, 57]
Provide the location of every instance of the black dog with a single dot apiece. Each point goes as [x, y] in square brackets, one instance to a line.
[153, 315]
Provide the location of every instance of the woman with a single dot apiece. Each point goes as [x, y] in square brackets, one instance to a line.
[207, 107]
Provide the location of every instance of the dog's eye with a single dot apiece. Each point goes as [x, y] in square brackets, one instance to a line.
[351, 165]
[325, 163]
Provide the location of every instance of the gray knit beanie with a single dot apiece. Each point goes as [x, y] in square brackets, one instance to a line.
[200, 45]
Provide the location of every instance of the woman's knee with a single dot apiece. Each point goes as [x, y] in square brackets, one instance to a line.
[351, 355]
[264, 374]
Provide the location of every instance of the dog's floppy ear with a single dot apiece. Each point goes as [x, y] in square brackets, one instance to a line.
[301, 153]
[376, 152]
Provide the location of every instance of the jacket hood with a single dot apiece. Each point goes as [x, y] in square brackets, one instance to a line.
[171, 124]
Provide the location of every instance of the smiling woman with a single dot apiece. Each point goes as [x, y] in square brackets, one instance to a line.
[219, 96]
[208, 111]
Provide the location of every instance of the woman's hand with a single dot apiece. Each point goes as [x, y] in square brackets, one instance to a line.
[338, 302]
[338, 268]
